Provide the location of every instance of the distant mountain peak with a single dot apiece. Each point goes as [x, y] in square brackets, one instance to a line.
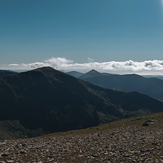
[44, 68]
[93, 71]
[90, 74]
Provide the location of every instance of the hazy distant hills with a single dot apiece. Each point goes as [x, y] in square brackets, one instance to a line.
[75, 73]
[48, 100]
[154, 76]
[150, 86]
[6, 73]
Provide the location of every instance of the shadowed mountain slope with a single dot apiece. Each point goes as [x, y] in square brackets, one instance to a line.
[131, 82]
[50, 100]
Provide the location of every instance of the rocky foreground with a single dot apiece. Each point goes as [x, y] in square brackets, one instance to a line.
[125, 143]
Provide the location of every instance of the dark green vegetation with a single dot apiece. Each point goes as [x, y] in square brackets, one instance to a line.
[150, 86]
[46, 100]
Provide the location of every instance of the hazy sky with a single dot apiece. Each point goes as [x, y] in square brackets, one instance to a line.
[82, 31]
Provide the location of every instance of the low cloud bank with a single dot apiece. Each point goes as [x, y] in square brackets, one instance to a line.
[149, 67]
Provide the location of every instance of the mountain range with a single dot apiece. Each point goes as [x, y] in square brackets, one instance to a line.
[45, 100]
[130, 82]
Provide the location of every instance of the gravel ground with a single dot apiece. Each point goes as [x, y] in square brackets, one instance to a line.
[123, 144]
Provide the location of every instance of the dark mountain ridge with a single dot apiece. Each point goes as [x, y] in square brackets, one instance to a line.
[52, 101]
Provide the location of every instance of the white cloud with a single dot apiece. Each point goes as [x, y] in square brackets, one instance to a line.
[120, 67]
[90, 60]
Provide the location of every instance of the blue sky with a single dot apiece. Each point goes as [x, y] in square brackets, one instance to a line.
[34, 31]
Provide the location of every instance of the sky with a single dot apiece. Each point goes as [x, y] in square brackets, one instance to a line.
[117, 36]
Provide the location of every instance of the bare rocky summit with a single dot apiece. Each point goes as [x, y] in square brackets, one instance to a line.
[123, 141]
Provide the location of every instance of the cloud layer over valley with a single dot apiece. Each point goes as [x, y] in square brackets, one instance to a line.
[151, 67]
